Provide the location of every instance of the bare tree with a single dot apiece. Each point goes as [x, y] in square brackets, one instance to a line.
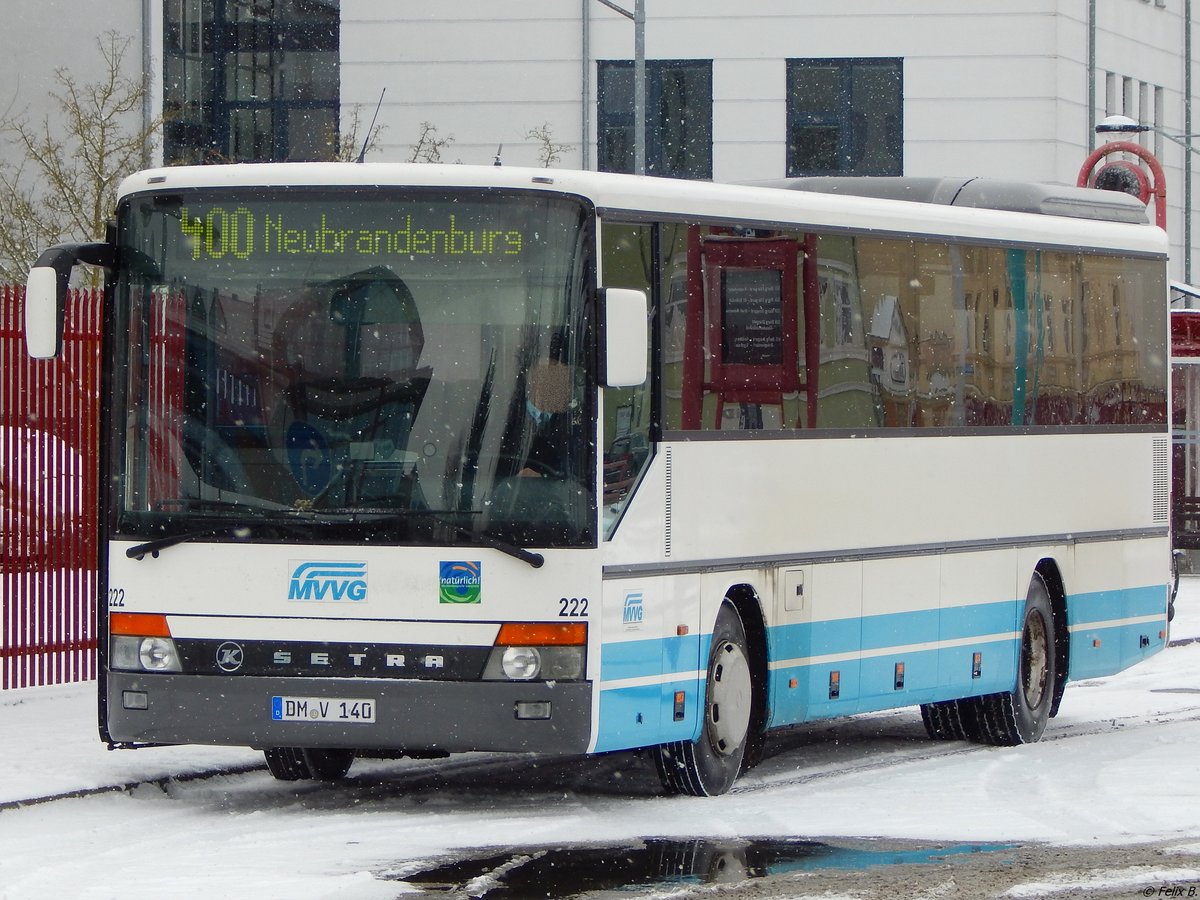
[429, 146]
[63, 186]
[351, 142]
[548, 151]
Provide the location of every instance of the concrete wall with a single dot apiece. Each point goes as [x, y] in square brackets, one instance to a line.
[39, 36]
[992, 89]
[995, 89]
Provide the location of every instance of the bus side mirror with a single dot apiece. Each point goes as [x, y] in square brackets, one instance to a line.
[45, 299]
[624, 326]
[46, 294]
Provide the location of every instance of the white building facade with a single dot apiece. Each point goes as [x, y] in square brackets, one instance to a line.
[1006, 90]
[752, 91]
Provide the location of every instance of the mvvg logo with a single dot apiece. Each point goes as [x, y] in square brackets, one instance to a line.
[632, 611]
[329, 581]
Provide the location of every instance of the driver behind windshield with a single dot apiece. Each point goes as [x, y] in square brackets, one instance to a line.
[538, 443]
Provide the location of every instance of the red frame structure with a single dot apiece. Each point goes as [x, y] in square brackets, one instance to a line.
[709, 259]
[49, 446]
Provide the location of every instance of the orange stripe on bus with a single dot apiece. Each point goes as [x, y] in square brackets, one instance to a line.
[140, 624]
[541, 633]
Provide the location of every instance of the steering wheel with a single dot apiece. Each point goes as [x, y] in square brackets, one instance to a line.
[527, 467]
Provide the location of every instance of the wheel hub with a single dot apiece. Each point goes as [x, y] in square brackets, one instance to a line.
[729, 702]
[1035, 661]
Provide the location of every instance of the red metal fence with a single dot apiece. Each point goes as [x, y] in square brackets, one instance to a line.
[49, 412]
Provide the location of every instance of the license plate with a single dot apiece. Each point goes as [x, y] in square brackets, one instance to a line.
[322, 709]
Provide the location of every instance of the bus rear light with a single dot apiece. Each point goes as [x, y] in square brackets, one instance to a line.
[140, 624]
[541, 634]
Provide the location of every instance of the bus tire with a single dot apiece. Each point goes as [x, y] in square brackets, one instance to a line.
[327, 764]
[1020, 717]
[952, 720]
[286, 763]
[303, 764]
[709, 765]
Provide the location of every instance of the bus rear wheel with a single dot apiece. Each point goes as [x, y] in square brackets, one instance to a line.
[1020, 717]
[952, 720]
[709, 765]
[304, 764]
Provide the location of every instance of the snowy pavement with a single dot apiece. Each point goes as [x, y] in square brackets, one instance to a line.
[1116, 769]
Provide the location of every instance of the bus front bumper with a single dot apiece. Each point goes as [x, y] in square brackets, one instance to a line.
[413, 715]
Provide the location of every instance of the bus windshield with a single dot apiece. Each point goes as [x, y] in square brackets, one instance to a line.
[353, 365]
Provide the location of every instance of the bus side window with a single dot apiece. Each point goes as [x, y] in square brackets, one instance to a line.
[627, 251]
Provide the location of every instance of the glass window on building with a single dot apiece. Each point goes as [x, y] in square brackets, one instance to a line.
[845, 117]
[250, 80]
[678, 117]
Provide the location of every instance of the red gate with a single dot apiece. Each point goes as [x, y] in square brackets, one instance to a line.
[49, 446]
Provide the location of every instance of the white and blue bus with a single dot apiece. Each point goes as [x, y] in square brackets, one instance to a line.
[421, 459]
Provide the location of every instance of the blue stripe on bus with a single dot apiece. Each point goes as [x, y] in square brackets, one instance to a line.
[1101, 644]
[621, 660]
[1105, 606]
[638, 715]
[838, 636]
[642, 715]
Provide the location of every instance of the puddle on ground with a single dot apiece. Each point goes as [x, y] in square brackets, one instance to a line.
[568, 871]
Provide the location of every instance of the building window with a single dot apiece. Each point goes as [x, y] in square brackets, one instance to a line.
[250, 80]
[845, 117]
[678, 117]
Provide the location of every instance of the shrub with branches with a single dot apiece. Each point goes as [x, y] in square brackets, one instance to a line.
[429, 145]
[63, 184]
[549, 152]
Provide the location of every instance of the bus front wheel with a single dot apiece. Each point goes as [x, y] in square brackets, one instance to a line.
[303, 764]
[709, 765]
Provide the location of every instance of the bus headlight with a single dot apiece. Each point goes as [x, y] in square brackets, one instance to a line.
[143, 654]
[548, 651]
[529, 663]
[521, 663]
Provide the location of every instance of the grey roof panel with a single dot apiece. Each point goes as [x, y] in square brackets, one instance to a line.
[983, 193]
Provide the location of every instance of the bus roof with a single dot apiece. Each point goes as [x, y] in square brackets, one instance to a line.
[914, 207]
[987, 193]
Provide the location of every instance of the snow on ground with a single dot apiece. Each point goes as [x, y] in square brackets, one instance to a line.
[1117, 767]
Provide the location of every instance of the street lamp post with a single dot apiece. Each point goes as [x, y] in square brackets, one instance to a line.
[1125, 175]
[1156, 184]
[638, 16]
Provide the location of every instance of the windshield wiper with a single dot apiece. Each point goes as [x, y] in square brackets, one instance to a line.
[445, 517]
[192, 503]
[139, 551]
[533, 558]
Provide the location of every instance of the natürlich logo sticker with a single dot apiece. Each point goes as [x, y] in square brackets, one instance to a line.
[460, 582]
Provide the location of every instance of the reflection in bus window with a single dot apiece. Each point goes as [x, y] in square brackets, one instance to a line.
[908, 334]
